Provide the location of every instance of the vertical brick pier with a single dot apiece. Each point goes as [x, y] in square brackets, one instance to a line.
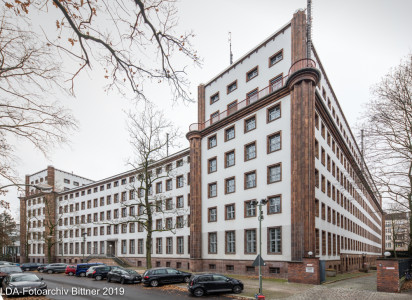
[305, 271]
[388, 275]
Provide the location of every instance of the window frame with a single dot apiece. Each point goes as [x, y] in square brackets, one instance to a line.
[227, 87]
[226, 184]
[208, 164]
[250, 71]
[208, 189]
[245, 181]
[274, 55]
[226, 211]
[272, 107]
[268, 137]
[245, 122]
[245, 150]
[209, 220]
[268, 240]
[268, 172]
[234, 158]
[268, 204]
[234, 133]
[210, 98]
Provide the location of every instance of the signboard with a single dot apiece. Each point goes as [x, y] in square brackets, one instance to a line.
[310, 270]
[258, 261]
[390, 268]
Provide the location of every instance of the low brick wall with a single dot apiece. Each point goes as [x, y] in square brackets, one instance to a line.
[306, 271]
[388, 276]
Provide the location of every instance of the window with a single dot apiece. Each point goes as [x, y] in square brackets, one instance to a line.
[252, 96]
[158, 187]
[179, 163]
[212, 142]
[250, 151]
[230, 185]
[250, 209]
[229, 133]
[212, 242]
[159, 249]
[274, 173]
[232, 107]
[169, 185]
[179, 222]
[230, 212]
[169, 245]
[277, 57]
[231, 87]
[212, 162]
[180, 246]
[274, 204]
[159, 224]
[275, 240]
[212, 214]
[229, 159]
[274, 142]
[212, 190]
[273, 113]
[276, 83]
[250, 124]
[158, 171]
[169, 223]
[250, 241]
[250, 180]
[179, 181]
[316, 148]
[252, 73]
[140, 246]
[230, 242]
[179, 202]
[169, 204]
[214, 98]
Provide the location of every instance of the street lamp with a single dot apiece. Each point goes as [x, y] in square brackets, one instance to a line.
[260, 218]
[84, 234]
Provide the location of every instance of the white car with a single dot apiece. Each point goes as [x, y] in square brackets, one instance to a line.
[90, 270]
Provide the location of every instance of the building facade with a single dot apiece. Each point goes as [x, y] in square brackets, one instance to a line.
[397, 232]
[269, 127]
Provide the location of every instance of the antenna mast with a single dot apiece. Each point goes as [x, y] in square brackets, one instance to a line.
[309, 30]
[230, 47]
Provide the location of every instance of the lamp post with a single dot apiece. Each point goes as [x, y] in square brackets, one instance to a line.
[260, 218]
[84, 234]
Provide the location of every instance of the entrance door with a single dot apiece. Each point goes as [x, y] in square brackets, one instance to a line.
[322, 269]
[111, 248]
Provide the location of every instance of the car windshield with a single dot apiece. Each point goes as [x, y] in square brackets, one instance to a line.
[25, 277]
[10, 269]
[131, 271]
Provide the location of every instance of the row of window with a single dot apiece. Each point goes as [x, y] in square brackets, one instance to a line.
[250, 124]
[274, 174]
[274, 241]
[254, 72]
[250, 152]
[274, 206]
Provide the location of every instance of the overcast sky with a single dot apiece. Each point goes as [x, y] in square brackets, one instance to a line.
[357, 41]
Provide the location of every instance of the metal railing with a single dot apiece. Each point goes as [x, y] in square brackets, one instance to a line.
[274, 86]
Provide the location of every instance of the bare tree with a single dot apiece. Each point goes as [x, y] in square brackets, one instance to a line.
[150, 134]
[133, 40]
[28, 72]
[388, 138]
[7, 229]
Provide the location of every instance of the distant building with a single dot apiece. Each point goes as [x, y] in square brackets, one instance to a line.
[12, 251]
[269, 127]
[397, 231]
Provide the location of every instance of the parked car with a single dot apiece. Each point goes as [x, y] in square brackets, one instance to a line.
[30, 266]
[17, 284]
[124, 276]
[55, 268]
[8, 269]
[213, 283]
[90, 270]
[41, 267]
[100, 272]
[3, 262]
[81, 269]
[70, 270]
[156, 276]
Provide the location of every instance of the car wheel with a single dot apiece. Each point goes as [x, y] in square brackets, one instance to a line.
[199, 292]
[82, 274]
[237, 289]
[154, 283]
[50, 271]
[122, 281]
[41, 271]
[71, 274]
[186, 279]
[108, 279]
[98, 277]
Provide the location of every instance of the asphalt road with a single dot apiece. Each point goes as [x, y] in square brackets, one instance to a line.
[80, 288]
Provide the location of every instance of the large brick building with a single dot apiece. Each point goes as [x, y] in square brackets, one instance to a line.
[269, 127]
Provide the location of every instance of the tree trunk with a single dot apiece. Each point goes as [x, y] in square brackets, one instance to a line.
[149, 250]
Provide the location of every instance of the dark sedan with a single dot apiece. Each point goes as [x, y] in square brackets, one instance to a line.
[124, 276]
[100, 273]
[20, 284]
[8, 269]
[30, 266]
[213, 283]
[55, 268]
[41, 267]
[157, 276]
